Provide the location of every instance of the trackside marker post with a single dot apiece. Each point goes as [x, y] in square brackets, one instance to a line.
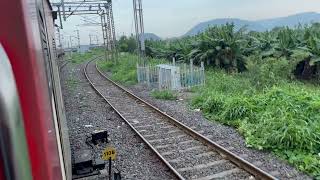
[109, 154]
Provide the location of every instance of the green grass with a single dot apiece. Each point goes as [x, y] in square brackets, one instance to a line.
[78, 58]
[125, 69]
[283, 118]
[274, 114]
[72, 84]
[165, 95]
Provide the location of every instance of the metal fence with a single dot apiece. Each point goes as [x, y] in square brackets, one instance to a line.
[148, 75]
[192, 75]
[171, 76]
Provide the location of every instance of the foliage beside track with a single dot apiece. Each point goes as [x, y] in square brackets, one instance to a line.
[124, 69]
[253, 84]
[283, 117]
[165, 95]
[78, 58]
[227, 48]
[271, 110]
[72, 84]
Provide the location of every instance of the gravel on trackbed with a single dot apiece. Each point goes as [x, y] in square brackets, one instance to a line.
[86, 111]
[226, 136]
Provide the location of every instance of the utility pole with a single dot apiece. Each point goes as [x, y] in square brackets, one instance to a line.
[139, 28]
[103, 8]
[78, 37]
[70, 46]
[104, 34]
[70, 40]
[90, 39]
[62, 40]
[108, 30]
[59, 37]
[113, 32]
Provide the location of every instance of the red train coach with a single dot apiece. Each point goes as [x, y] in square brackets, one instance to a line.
[33, 135]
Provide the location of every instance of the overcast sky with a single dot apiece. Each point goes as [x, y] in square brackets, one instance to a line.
[171, 18]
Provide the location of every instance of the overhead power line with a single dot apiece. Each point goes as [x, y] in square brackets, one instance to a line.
[103, 8]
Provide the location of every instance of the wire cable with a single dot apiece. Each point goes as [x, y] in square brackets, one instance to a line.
[75, 9]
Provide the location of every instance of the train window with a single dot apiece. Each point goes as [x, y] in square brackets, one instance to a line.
[13, 146]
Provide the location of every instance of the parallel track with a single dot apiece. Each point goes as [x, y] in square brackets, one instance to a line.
[187, 153]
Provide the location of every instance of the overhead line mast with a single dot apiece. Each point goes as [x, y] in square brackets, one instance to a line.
[102, 8]
[139, 28]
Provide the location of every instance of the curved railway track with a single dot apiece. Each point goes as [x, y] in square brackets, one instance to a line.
[187, 153]
[64, 64]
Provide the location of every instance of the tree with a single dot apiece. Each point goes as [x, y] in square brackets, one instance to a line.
[127, 44]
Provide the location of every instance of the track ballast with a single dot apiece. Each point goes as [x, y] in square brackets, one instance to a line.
[187, 153]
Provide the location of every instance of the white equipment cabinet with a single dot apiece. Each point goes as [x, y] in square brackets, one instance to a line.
[169, 77]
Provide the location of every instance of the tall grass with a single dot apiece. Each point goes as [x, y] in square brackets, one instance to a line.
[165, 95]
[283, 117]
[78, 58]
[272, 111]
[125, 69]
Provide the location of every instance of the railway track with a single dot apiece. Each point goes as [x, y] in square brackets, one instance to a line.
[187, 153]
[64, 64]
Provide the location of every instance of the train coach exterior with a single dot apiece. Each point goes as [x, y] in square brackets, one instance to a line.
[27, 38]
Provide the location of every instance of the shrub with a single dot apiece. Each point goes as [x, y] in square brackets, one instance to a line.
[78, 58]
[165, 94]
[268, 72]
[286, 121]
[282, 116]
[125, 69]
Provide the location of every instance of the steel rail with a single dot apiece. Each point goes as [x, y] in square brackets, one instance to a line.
[64, 64]
[174, 171]
[241, 163]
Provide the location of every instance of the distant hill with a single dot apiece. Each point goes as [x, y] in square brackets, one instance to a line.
[151, 36]
[260, 25]
[291, 21]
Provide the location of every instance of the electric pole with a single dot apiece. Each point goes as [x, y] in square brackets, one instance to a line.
[59, 37]
[104, 34]
[78, 37]
[62, 40]
[103, 8]
[70, 40]
[90, 39]
[139, 28]
[70, 46]
[97, 40]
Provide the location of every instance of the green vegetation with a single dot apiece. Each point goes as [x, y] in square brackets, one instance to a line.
[72, 83]
[165, 95]
[127, 44]
[125, 69]
[265, 84]
[224, 47]
[78, 58]
[253, 84]
[283, 118]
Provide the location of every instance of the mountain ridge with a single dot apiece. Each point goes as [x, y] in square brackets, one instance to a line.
[151, 36]
[258, 25]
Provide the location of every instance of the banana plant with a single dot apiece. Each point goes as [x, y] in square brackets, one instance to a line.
[286, 42]
[220, 47]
